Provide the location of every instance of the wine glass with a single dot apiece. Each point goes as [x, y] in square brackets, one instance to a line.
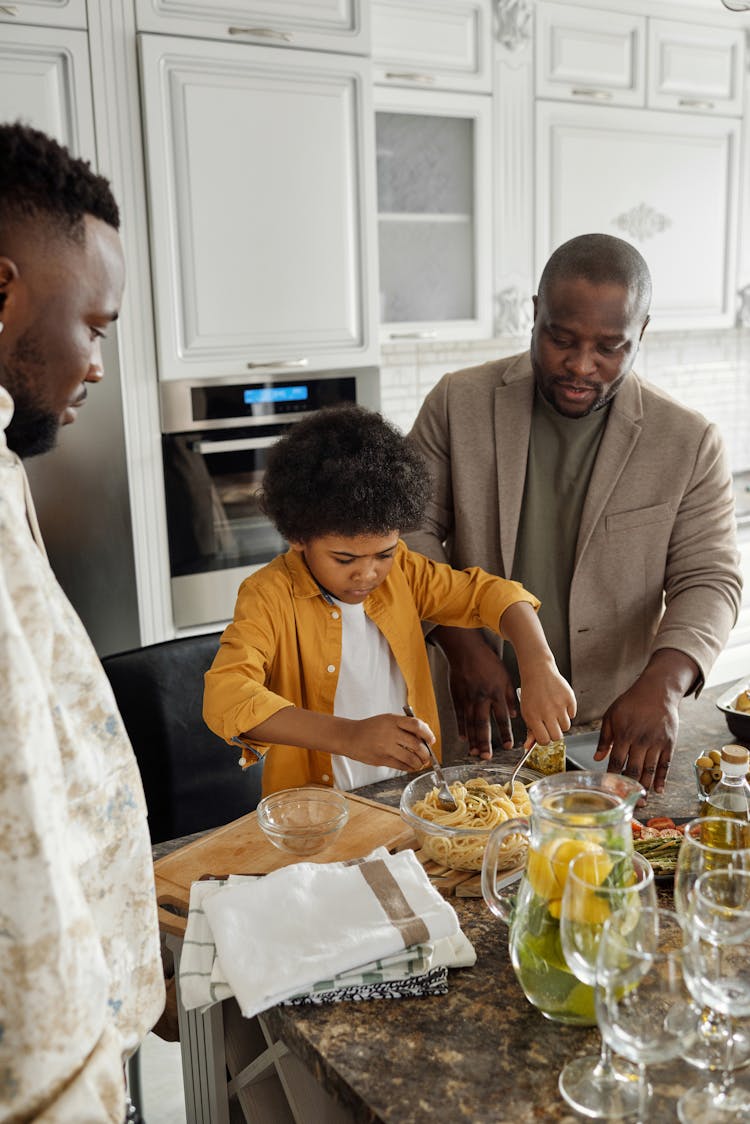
[717, 972]
[711, 843]
[641, 994]
[612, 887]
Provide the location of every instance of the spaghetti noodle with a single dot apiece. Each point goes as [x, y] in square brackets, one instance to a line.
[480, 807]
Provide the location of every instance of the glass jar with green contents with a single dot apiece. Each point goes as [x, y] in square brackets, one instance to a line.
[570, 813]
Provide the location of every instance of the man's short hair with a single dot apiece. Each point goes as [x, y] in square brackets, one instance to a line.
[40, 179]
[344, 471]
[600, 259]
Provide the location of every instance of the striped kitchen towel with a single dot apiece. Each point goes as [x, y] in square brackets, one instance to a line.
[349, 924]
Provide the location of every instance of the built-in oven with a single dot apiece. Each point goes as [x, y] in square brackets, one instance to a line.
[216, 434]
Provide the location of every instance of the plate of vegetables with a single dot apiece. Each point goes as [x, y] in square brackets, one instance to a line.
[658, 840]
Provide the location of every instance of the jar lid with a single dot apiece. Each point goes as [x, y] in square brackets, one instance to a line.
[734, 759]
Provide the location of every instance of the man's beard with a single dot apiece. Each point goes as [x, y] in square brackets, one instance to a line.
[33, 429]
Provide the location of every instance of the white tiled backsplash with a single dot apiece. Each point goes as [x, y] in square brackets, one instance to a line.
[709, 371]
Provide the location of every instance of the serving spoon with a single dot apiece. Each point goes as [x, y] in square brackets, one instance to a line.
[445, 796]
[508, 786]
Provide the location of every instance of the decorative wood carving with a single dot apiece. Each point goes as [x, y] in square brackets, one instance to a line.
[513, 315]
[642, 222]
[513, 23]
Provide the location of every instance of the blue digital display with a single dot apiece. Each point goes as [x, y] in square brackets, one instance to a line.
[260, 394]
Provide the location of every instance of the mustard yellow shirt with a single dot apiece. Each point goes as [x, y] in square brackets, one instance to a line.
[284, 647]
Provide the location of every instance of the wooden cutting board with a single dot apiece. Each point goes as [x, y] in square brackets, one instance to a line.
[241, 847]
[456, 883]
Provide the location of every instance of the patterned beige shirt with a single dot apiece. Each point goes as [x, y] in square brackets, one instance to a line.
[80, 971]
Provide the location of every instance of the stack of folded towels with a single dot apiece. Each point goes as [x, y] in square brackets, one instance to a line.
[319, 933]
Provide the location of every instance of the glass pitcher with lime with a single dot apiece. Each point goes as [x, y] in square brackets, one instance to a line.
[571, 813]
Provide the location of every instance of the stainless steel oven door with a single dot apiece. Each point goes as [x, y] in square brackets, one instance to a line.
[217, 532]
[216, 437]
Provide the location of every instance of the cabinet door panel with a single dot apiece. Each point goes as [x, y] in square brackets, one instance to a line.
[585, 55]
[441, 43]
[695, 68]
[666, 182]
[325, 25]
[57, 13]
[434, 211]
[44, 81]
[258, 184]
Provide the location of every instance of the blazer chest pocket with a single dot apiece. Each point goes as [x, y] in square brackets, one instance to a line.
[640, 517]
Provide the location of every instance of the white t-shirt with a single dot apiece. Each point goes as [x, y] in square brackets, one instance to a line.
[370, 682]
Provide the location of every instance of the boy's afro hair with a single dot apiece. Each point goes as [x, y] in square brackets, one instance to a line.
[344, 471]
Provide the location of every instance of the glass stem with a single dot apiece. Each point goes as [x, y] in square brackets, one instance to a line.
[643, 1097]
[727, 1073]
[603, 1070]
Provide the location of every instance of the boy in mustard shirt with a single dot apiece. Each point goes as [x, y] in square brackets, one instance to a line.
[326, 646]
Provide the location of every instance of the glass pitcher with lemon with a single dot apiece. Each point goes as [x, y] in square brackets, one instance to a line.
[571, 813]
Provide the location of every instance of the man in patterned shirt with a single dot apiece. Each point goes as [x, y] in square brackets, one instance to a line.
[80, 970]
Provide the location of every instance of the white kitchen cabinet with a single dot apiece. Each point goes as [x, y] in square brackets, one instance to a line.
[55, 13]
[590, 56]
[666, 182]
[434, 214]
[626, 58]
[324, 25]
[261, 181]
[695, 68]
[440, 44]
[45, 82]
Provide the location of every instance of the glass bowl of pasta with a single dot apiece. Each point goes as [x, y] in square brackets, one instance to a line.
[458, 839]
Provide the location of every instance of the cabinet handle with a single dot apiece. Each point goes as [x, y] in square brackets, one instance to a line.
[412, 335]
[8, 10]
[409, 76]
[261, 33]
[236, 445]
[602, 95]
[279, 363]
[695, 103]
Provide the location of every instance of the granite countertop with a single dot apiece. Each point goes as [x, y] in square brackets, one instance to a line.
[482, 1052]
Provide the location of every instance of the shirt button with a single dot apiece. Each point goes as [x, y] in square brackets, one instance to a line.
[325, 777]
[331, 667]
[335, 614]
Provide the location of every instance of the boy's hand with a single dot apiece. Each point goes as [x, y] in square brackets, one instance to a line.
[392, 740]
[548, 704]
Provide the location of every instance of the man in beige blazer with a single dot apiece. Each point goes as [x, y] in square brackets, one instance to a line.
[562, 469]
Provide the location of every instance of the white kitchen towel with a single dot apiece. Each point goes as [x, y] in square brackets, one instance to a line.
[409, 972]
[277, 936]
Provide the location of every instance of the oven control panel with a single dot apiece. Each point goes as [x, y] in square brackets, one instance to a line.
[262, 399]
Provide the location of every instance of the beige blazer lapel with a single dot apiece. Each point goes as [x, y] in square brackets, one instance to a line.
[513, 405]
[618, 441]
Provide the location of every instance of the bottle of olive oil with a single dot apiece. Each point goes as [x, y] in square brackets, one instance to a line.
[730, 796]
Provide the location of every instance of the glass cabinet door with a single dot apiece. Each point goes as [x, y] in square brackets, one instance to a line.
[433, 214]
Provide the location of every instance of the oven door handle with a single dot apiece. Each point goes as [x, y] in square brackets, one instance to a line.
[233, 446]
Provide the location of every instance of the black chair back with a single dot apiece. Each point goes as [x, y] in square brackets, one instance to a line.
[190, 776]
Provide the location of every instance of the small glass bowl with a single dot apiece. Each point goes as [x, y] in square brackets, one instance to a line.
[455, 847]
[303, 821]
[705, 776]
